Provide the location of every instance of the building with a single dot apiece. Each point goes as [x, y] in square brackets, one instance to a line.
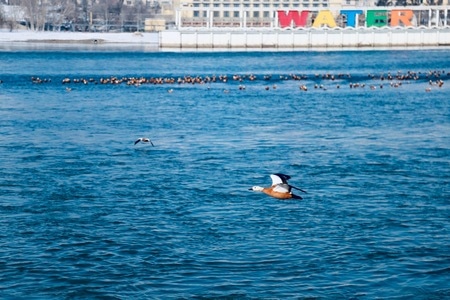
[244, 13]
[265, 13]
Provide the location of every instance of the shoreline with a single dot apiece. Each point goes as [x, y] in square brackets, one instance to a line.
[28, 36]
[207, 40]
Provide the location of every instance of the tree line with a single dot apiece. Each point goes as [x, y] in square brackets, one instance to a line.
[76, 15]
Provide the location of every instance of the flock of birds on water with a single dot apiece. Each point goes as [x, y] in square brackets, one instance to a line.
[432, 78]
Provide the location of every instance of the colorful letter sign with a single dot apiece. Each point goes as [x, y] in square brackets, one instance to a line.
[377, 18]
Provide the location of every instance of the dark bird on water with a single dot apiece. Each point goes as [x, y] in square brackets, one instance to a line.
[144, 140]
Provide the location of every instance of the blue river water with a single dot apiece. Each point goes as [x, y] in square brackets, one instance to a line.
[85, 213]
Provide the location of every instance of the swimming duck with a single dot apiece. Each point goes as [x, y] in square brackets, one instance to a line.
[280, 188]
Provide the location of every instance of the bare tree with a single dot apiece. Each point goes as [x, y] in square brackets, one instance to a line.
[107, 12]
[35, 13]
[133, 17]
[60, 12]
[11, 14]
[2, 16]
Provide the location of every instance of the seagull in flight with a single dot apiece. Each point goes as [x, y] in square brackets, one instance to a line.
[280, 188]
[144, 140]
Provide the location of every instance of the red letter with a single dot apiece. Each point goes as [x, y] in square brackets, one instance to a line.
[293, 15]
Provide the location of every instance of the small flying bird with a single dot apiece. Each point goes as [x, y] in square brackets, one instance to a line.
[280, 188]
[144, 140]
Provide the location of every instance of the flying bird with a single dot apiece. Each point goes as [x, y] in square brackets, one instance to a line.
[144, 140]
[280, 187]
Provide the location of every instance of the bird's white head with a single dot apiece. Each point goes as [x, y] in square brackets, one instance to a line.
[256, 188]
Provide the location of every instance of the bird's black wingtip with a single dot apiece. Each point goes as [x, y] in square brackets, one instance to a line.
[283, 177]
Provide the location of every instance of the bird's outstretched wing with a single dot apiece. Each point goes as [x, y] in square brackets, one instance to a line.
[137, 141]
[278, 178]
[297, 189]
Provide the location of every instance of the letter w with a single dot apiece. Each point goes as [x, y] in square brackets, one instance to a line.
[293, 15]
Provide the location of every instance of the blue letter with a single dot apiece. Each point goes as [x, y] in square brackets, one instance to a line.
[351, 16]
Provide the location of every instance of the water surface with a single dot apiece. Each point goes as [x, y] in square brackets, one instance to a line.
[85, 213]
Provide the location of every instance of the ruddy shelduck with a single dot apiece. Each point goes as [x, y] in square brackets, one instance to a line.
[280, 188]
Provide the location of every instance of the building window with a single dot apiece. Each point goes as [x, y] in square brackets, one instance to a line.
[226, 14]
[256, 14]
[216, 14]
[266, 14]
[236, 14]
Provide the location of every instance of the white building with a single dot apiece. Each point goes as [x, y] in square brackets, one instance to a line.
[233, 13]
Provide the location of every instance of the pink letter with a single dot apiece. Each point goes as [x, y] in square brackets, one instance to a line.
[293, 15]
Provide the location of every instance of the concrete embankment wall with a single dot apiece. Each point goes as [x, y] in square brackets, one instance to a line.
[306, 38]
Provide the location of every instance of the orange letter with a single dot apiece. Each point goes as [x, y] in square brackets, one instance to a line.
[404, 16]
[324, 18]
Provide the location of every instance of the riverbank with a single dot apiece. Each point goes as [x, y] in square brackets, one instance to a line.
[28, 36]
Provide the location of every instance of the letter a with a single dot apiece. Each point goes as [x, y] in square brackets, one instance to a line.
[324, 18]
